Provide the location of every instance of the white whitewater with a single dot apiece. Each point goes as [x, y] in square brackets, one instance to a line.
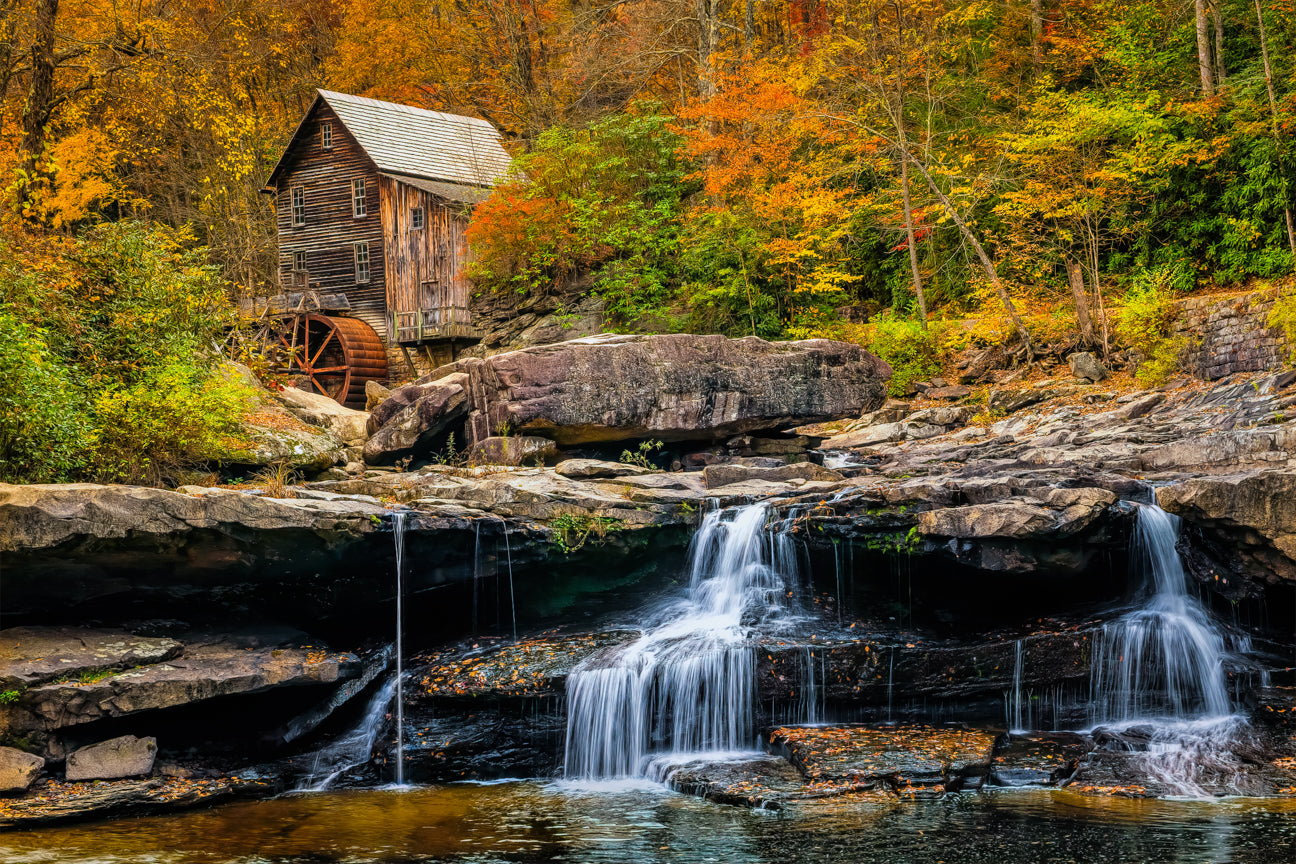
[1165, 659]
[688, 684]
[1161, 667]
[353, 749]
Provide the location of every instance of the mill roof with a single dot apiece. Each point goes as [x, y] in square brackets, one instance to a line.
[414, 142]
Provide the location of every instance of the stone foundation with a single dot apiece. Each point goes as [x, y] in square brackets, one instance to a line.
[1230, 334]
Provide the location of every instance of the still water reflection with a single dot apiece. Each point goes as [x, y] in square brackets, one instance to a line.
[535, 822]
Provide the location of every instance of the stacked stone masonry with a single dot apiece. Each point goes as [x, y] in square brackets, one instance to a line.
[1230, 334]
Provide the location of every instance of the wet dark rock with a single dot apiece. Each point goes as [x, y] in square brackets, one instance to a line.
[764, 782]
[1038, 758]
[902, 758]
[484, 742]
[53, 802]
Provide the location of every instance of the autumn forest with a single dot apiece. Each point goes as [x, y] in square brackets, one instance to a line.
[1052, 172]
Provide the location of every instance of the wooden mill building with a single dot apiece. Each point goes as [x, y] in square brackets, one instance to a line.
[372, 199]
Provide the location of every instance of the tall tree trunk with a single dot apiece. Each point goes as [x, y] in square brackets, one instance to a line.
[1037, 33]
[1273, 116]
[40, 95]
[898, 120]
[708, 25]
[1075, 277]
[749, 26]
[986, 263]
[1217, 18]
[1204, 49]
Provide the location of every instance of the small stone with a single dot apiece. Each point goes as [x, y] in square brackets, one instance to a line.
[113, 759]
[590, 469]
[374, 394]
[18, 770]
[957, 391]
[1085, 365]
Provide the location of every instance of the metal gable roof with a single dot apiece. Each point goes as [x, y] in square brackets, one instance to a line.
[416, 142]
[454, 192]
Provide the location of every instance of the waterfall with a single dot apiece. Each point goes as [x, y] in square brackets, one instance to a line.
[1158, 673]
[1019, 718]
[398, 533]
[1165, 659]
[688, 683]
[355, 748]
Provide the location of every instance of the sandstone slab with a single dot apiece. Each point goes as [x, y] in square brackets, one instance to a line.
[31, 656]
[114, 759]
[18, 770]
[346, 424]
[669, 387]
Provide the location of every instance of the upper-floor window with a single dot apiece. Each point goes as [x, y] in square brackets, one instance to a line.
[416, 217]
[299, 262]
[361, 261]
[299, 205]
[358, 197]
[326, 136]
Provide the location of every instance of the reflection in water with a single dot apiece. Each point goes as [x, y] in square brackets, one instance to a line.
[533, 822]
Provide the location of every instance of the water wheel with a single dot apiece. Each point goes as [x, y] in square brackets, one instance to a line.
[337, 355]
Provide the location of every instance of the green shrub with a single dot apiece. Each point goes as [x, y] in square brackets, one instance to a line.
[107, 365]
[169, 421]
[914, 353]
[1146, 324]
[1282, 317]
[43, 430]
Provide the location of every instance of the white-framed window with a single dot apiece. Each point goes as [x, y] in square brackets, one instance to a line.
[358, 197]
[299, 261]
[299, 205]
[361, 261]
[326, 136]
[417, 218]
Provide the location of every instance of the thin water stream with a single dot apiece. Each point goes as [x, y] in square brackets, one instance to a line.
[398, 533]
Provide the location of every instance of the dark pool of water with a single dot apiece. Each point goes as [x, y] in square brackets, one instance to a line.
[535, 822]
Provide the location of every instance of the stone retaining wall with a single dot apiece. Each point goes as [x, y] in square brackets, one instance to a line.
[1229, 334]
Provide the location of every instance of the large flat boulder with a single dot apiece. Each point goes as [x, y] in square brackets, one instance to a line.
[31, 656]
[669, 387]
[1255, 511]
[115, 759]
[42, 517]
[904, 758]
[346, 424]
[410, 420]
[206, 670]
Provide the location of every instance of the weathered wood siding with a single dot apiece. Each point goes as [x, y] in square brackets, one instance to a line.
[427, 294]
[331, 229]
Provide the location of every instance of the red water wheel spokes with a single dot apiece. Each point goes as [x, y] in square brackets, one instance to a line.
[337, 355]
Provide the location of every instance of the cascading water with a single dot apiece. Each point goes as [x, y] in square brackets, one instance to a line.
[1161, 667]
[353, 749]
[398, 533]
[686, 685]
[1163, 660]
